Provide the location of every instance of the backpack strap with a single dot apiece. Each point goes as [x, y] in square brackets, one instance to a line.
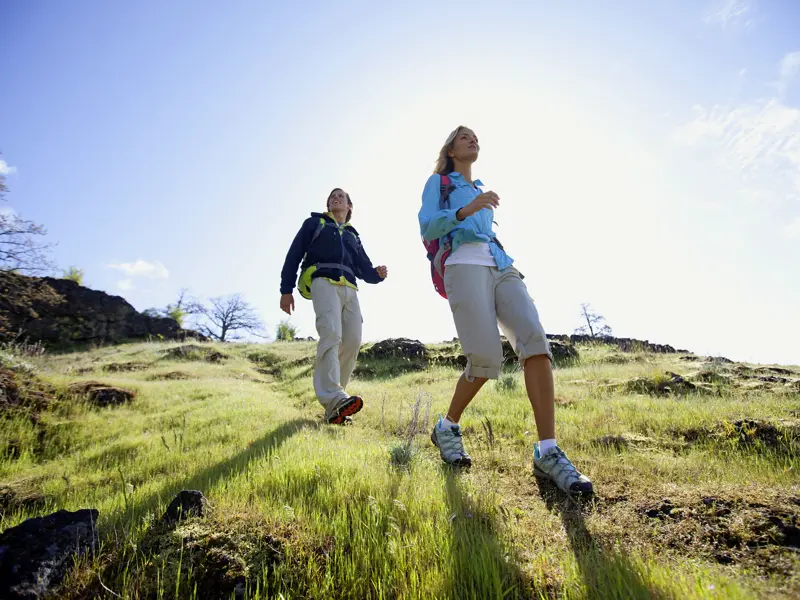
[445, 187]
[317, 231]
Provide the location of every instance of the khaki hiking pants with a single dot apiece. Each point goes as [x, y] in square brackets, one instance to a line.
[480, 298]
[339, 325]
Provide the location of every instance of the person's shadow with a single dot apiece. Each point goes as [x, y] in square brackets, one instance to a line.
[481, 566]
[607, 573]
[207, 478]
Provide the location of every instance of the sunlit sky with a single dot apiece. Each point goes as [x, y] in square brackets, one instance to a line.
[647, 154]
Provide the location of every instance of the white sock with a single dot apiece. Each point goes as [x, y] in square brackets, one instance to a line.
[445, 423]
[546, 445]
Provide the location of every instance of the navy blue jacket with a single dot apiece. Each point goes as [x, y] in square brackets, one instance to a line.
[335, 244]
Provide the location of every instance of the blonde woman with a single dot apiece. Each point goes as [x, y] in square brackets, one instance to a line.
[484, 289]
[332, 260]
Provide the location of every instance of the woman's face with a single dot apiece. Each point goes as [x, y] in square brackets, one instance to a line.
[465, 146]
[338, 201]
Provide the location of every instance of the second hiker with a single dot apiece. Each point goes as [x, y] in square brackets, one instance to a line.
[332, 260]
[484, 289]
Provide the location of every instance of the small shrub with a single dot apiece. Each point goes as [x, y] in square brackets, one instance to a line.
[508, 382]
[286, 331]
[402, 455]
[74, 274]
[176, 313]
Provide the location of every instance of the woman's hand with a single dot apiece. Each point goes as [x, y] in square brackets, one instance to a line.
[382, 271]
[484, 200]
[287, 303]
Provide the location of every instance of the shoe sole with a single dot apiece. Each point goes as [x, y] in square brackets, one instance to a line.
[461, 462]
[352, 407]
[542, 475]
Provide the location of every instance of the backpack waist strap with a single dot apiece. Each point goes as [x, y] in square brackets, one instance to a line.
[338, 266]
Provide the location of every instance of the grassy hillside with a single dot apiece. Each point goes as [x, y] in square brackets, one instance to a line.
[697, 488]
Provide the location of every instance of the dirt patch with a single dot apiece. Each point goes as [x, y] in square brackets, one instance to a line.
[663, 385]
[171, 376]
[195, 352]
[101, 394]
[713, 377]
[625, 441]
[23, 394]
[22, 495]
[730, 531]
[781, 436]
[223, 557]
[126, 367]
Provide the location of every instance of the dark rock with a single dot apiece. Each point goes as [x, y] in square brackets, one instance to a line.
[689, 358]
[36, 554]
[188, 503]
[396, 348]
[101, 394]
[59, 311]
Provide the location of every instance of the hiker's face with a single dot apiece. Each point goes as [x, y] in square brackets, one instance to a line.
[465, 146]
[338, 201]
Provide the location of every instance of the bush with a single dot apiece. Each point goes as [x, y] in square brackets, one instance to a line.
[74, 274]
[286, 331]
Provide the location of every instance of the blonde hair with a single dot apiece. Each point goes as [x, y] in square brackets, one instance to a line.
[444, 164]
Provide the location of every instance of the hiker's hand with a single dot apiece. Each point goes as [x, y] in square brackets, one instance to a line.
[382, 271]
[484, 200]
[287, 303]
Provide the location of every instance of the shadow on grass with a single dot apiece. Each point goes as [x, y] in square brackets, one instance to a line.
[482, 566]
[207, 478]
[606, 573]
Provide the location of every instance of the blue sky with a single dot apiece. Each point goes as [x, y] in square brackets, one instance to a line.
[647, 155]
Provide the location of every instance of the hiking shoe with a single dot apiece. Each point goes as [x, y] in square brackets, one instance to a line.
[555, 466]
[450, 446]
[349, 406]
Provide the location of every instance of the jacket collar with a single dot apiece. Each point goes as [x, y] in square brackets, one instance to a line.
[458, 178]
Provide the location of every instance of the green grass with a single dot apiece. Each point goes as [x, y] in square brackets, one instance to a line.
[301, 509]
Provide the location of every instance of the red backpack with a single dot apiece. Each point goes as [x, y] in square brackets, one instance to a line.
[439, 249]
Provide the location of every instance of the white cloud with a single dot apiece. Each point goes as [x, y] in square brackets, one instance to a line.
[790, 66]
[6, 169]
[731, 13]
[126, 285]
[142, 268]
[7, 212]
[757, 142]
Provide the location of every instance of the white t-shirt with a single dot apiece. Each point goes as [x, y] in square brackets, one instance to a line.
[472, 253]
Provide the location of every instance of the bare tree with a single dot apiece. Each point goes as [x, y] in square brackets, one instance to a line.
[20, 249]
[228, 315]
[595, 323]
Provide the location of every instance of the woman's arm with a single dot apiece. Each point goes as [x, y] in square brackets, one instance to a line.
[433, 222]
[295, 255]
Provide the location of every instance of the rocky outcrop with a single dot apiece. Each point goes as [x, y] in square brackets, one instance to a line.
[396, 348]
[59, 311]
[623, 344]
[36, 554]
